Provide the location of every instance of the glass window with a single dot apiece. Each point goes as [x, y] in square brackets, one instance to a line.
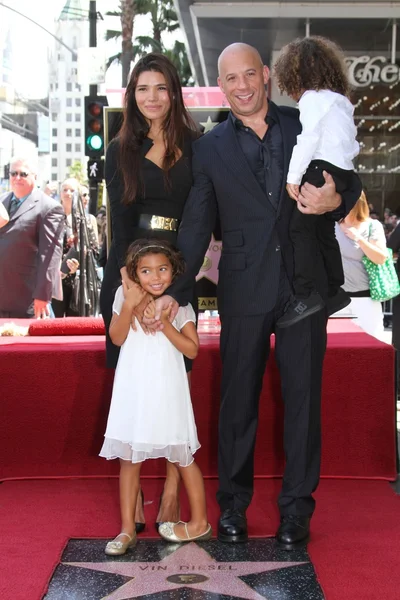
[54, 116]
[78, 147]
[54, 162]
[77, 117]
[54, 147]
[54, 177]
[77, 132]
[68, 162]
[69, 101]
[69, 87]
[77, 101]
[54, 132]
[69, 117]
[69, 132]
[69, 148]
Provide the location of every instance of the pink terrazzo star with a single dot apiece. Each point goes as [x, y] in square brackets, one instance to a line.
[190, 566]
[209, 269]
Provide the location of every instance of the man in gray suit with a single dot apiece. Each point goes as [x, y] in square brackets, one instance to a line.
[30, 246]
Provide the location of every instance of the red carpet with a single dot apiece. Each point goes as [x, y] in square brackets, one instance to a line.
[68, 326]
[355, 544]
[56, 392]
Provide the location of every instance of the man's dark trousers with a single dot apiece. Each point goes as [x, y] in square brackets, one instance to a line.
[299, 352]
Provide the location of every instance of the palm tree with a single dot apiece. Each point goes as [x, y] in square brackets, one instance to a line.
[178, 56]
[126, 13]
[163, 19]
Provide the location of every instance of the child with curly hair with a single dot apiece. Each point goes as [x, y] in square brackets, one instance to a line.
[312, 71]
[151, 413]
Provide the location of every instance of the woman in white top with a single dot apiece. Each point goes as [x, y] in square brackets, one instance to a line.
[312, 72]
[359, 236]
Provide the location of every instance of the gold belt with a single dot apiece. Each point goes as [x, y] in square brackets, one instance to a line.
[164, 223]
[157, 223]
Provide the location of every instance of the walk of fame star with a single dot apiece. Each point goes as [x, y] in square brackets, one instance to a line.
[208, 125]
[188, 566]
[209, 269]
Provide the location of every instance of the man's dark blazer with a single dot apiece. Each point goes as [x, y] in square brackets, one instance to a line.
[30, 252]
[254, 233]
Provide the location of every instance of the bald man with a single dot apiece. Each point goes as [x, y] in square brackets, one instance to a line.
[239, 170]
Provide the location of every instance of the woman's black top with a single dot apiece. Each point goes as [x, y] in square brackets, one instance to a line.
[156, 199]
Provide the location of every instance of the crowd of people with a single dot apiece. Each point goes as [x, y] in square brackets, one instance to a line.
[295, 228]
[40, 233]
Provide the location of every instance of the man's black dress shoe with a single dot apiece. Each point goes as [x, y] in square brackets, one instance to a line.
[293, 532]
[232, 526]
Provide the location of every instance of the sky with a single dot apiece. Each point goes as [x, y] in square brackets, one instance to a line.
[30, 43]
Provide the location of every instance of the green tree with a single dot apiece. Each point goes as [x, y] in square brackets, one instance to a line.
[164, 20]
[126, 14]
[78, 172]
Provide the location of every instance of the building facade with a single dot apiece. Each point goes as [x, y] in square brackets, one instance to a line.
[66, 95]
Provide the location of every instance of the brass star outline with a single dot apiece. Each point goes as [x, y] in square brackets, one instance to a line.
[189, 559]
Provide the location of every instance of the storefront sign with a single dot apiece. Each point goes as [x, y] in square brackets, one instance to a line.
[371, 70]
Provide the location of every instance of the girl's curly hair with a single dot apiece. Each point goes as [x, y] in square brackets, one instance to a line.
[142, 247]
[313, 63]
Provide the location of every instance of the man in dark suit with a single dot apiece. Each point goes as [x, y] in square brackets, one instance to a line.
[240, 170]
[30, 246]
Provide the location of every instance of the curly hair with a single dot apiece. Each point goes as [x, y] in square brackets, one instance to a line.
[313, 63]
[143, 247]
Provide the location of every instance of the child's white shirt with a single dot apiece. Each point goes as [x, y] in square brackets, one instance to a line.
[328, 133]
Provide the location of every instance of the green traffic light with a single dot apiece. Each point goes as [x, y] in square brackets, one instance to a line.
[95, 142]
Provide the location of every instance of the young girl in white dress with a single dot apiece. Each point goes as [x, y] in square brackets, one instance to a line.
[151, 414]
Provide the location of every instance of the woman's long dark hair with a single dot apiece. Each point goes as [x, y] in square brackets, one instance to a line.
[135, 127]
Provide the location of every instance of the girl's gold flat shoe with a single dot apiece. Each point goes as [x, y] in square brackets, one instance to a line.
[167, 532]
[118, 547]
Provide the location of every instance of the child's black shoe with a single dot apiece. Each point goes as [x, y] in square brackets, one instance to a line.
[340, 300]
[301, 308]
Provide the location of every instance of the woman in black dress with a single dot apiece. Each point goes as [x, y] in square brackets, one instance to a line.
[148, 176]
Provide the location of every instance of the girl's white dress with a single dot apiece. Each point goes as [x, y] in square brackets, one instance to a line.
[151, 414]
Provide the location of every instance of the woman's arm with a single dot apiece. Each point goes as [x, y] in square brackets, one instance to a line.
[121, 214]
[186, 340]
[374, 250]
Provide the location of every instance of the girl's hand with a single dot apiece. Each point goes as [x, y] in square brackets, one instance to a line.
[293, 190]
[150, 310]
[165, 314]
[133, 295]
[125, 279]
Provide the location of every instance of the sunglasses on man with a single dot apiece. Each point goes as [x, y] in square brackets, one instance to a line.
[22, 174]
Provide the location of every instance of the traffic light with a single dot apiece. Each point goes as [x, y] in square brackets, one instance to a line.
[95, 169]
[94, 125]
